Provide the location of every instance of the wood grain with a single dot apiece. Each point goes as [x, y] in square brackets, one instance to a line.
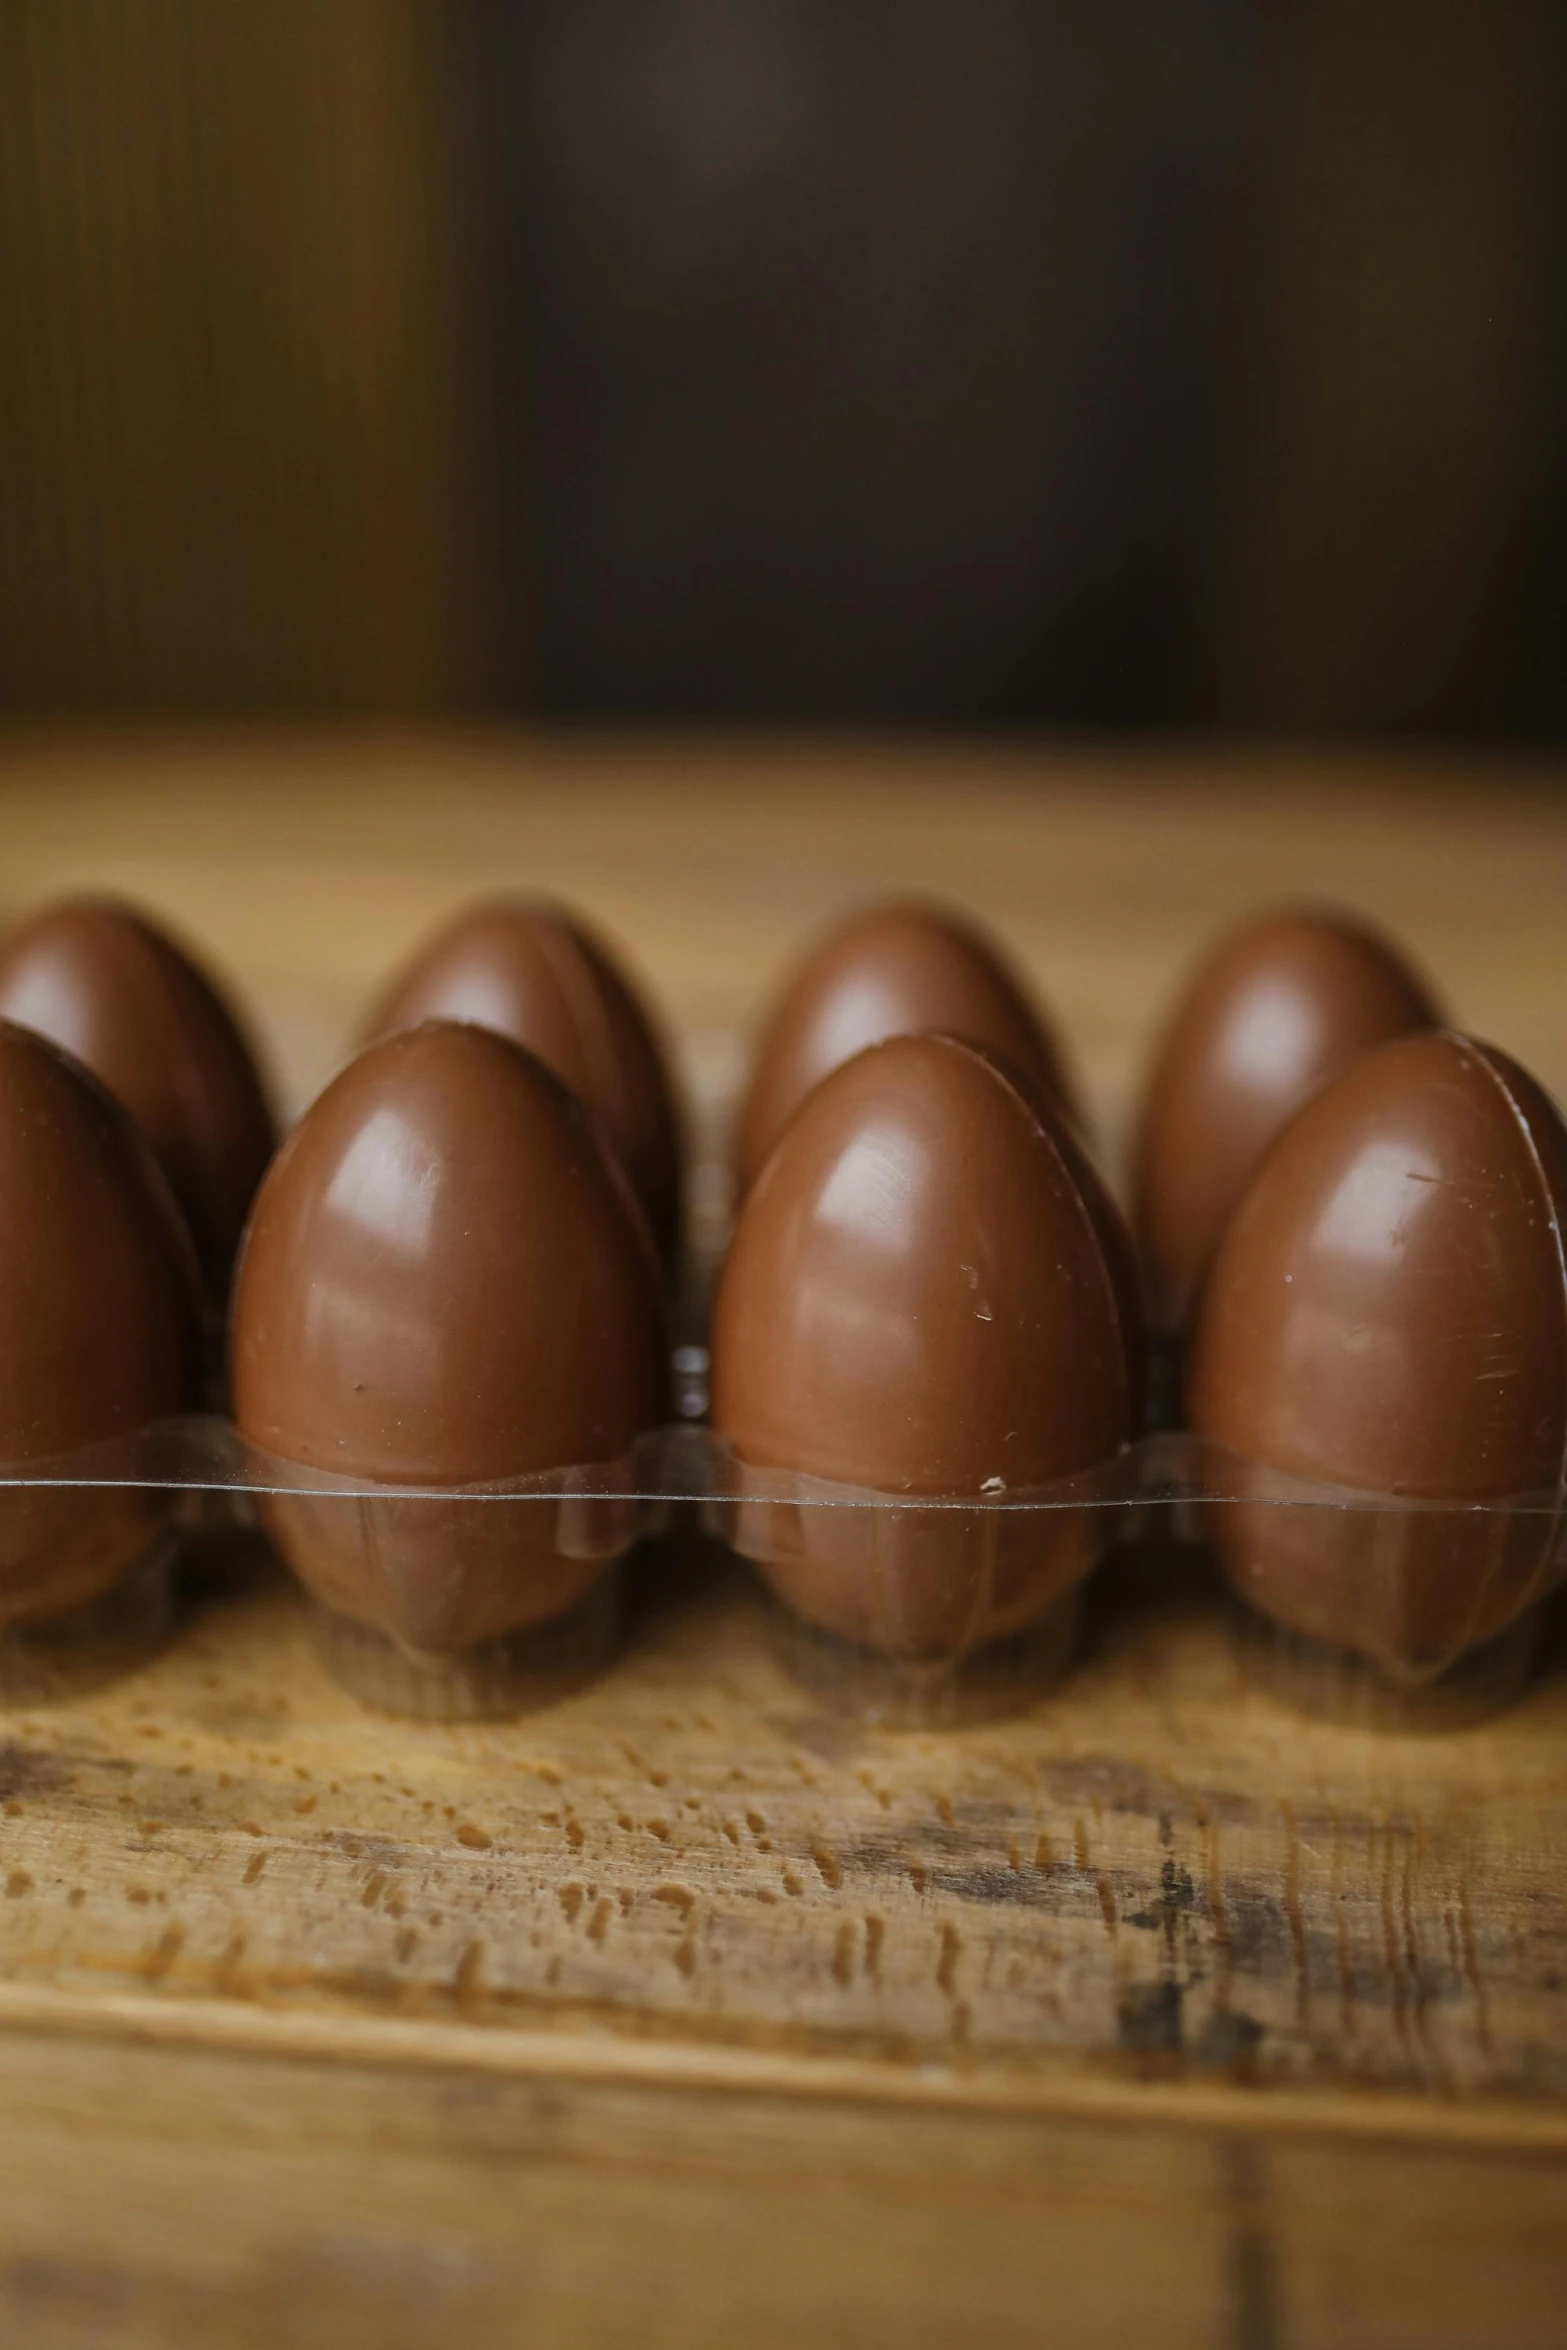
[1158, 1874]
[682, 2005]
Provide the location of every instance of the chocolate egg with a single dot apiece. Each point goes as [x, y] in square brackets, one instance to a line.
[533, 972]
[132, 1007]
[925, 1296]
[1270, 1017]
[445, 1281]
[97, 1323]
[890, 970]
[1387, 1312]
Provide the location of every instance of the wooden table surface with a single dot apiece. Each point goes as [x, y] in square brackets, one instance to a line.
[683, 2011]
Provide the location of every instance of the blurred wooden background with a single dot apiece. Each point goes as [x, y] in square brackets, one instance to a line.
[244, 397]
[418, 355]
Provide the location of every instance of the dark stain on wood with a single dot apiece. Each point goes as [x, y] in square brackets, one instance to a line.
[1150, 2020]
[1251, 2263]
[24, 1771]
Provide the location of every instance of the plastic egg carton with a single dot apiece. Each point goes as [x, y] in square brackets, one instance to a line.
[478, 1601]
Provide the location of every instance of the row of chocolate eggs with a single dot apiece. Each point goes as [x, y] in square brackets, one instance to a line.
[1278, 1011]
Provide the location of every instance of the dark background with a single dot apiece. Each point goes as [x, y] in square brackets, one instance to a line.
[1188, 363]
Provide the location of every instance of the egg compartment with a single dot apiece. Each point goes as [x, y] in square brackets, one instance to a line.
[1369, 1693]
[913, 1610]
[68, 1651]
[485, 1680]
[1377, 1610]
[90, 1545]
[444, 1603]
[460, 1603]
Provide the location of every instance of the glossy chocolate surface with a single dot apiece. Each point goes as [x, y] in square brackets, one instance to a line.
[890, 970]
[130, 1005]
[536, 974]
[445, 1280]
[919, 1299]
[1271, 1016]
[1388, 1311]
[98, 1315]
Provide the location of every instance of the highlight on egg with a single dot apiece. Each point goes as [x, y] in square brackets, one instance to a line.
[891, 969]
[928, 1297]
[115, 991]
[1272, 1014]
[98, 1328]
[446, 1283]
[1386, 1318]
[536, 973]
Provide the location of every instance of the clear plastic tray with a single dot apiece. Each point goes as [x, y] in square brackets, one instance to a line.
[479, 1600]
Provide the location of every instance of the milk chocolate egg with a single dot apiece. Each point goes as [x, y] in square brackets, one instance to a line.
[890, 970]
[97, 1323]
[445, 1281]
[924, 1297]
[135, 1010]
[1270, 1017]
[534, 972]
[1387, 1312]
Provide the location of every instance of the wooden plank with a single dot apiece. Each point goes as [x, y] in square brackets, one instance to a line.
[1155, 1874]
[460, 2214]
[183, 2197]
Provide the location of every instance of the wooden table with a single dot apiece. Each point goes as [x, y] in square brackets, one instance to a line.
[683, 2012]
